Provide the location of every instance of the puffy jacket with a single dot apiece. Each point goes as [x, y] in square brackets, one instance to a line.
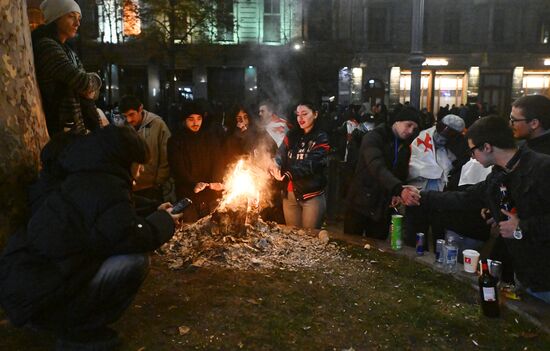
[303, 160]
[77, 222]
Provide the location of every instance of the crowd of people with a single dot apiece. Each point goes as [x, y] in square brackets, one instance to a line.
[104, 195]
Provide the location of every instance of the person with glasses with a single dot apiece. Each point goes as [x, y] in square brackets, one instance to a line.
[524, 173]
[530, 121]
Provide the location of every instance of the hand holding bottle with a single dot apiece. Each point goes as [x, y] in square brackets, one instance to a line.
[507, 228]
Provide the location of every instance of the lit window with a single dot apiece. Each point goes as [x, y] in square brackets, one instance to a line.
[224, 20]
[35, 17]
[132, 22]
[272, 21]
[377, 25]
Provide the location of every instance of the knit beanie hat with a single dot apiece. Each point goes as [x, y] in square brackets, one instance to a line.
[53, 9]
[406, 114]
[454, 122]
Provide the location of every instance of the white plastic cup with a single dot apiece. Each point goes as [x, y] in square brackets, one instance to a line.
[471, 258]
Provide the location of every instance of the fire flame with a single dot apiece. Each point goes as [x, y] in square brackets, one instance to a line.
[241, 185]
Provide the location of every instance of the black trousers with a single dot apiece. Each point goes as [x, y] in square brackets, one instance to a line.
[102, 301]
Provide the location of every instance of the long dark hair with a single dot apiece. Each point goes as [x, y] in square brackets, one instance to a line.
[297, 132]
[231, 118]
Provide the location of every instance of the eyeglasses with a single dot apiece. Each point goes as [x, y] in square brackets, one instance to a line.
[473, 150]
[514, 120]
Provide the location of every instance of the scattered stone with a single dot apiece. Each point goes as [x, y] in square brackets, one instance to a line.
[367, 246]
[183, 329]
[323, 237]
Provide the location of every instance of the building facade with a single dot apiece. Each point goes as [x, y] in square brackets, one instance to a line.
[352, 51]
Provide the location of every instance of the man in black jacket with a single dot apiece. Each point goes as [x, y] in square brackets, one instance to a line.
[380, 175]
[77, 264]
[530, 121]
[523, 173]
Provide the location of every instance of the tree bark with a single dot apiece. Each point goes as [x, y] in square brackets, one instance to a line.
[22, 123]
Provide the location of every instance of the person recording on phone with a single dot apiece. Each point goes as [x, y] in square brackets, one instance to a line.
[77, 264]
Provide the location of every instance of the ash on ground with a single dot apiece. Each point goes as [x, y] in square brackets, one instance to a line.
[263, 245]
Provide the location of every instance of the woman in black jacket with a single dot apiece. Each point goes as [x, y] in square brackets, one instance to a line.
[78, 263]
[300, 163]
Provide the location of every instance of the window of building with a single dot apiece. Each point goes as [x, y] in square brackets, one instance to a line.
[272, 21]
[536, 83]
[131, 20]
[451, 27]
[378, 24]
[35, 17]
[445, 88]
[318, 15]
[110, 21]
[224, 20]
[499, 25]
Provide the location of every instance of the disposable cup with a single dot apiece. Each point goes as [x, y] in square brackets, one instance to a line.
[471, 257]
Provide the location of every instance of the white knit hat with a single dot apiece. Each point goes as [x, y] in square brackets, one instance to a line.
[454, 122]
[53, 9]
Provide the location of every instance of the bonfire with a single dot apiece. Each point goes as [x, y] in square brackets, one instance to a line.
[235, 236]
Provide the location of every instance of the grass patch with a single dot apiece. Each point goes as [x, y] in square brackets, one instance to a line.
[369, 300]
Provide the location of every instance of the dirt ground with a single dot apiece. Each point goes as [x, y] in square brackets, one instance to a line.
[368, 300]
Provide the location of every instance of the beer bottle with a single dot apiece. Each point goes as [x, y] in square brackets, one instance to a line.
[505, 201]
[488, 292]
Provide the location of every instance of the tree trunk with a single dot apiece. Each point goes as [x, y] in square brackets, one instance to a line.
[22, 122]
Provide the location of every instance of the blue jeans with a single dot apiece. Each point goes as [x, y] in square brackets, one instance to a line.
[103, 300]
[305, 214]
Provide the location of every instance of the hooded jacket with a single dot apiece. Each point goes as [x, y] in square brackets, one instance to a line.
[156, 135]
[80, 216]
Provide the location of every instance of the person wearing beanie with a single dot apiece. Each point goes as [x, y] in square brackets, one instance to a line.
[379, 181]
[195, 161]
[437, 156]
[68, 91]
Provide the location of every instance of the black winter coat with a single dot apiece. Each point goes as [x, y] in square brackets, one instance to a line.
[303, 159]
[77, 223]
[540, 144]
[530, 190]
[193, 158]
[380, 172]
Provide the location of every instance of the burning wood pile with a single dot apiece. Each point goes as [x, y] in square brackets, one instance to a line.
[235, 236]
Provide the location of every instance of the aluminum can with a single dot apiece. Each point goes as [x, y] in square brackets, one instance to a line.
[396, 231]
[495, 269]
[420, 240]
[439, 244]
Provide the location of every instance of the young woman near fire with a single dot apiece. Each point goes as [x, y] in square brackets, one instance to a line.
[300, 163]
